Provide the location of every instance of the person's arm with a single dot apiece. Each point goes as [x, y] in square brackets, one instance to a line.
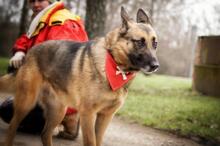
[21, 44]
[70, 30]
[19, 50]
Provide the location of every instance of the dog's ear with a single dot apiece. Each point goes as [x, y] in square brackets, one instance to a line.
[125, 21]
[142, 17]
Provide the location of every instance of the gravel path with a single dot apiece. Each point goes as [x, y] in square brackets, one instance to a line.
[119, 133]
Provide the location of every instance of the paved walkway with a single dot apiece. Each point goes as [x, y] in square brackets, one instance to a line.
[119, 133]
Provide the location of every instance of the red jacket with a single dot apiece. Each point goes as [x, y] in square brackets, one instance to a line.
[58, 24]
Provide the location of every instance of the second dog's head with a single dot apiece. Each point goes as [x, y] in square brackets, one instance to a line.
[134, 44]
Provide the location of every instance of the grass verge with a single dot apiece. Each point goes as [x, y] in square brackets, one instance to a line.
[169, 103]
[3, 65]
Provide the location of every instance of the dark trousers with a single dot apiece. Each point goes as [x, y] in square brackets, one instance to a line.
[32, 123]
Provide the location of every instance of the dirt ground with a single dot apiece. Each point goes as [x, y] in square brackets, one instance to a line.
[119, 133]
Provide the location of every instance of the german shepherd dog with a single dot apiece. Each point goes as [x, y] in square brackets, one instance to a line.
[61, 74]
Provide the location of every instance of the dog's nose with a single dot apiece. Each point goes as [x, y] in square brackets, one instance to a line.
[154, 65]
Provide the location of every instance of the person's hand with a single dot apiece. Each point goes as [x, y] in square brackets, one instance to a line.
[17, 59]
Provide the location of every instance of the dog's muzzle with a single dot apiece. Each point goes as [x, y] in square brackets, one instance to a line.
[145, 63]
[154, 65]
[151, 67]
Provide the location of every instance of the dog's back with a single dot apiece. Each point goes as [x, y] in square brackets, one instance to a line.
[56, 61]
[62, 62]
[51, 55]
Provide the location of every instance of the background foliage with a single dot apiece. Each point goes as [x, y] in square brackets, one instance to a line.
[177, 22]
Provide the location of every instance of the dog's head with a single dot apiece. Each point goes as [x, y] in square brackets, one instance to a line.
[134, 44]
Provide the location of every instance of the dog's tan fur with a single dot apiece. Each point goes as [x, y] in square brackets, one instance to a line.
[46, 78]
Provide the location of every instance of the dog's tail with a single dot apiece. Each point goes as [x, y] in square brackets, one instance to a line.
[7, 83]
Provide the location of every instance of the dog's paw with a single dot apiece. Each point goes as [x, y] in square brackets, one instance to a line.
[66, 135]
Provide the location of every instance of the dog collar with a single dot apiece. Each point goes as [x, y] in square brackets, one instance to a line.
[116, 76]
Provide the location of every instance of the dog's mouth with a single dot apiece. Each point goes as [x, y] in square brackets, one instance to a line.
[149, 69]
[146, 65]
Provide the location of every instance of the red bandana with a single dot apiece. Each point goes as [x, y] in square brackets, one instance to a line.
[116, 77]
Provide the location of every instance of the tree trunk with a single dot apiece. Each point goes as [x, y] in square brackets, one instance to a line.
[152, 5]
[24, 18]
[95, 17]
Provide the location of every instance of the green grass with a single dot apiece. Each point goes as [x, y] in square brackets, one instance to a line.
[3, 65]
[169, 103]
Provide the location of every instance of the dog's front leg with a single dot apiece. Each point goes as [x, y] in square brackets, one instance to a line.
[104, 118]
[102, 122]
[87, 122]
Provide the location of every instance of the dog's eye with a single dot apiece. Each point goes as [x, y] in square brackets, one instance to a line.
[140, 43]
[154, 43]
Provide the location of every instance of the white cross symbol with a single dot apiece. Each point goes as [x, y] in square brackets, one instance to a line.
[120, 71]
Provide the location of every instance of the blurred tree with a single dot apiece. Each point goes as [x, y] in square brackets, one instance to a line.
[177, 23]
[73, 4]
[10, 10]
[24, 18]
[9, 18]
[95, 17]
[78, 3]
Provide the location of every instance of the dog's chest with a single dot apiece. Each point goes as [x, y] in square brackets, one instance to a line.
[114, 100]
